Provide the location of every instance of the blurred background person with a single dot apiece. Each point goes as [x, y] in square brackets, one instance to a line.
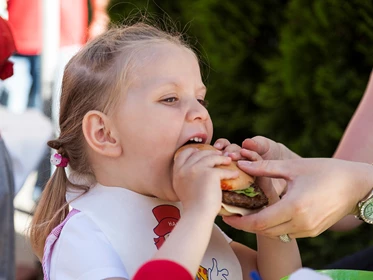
[25, 18]
[75, 31]
[23, 90]
[22, 138]
[7, 268]
[24, 87]
[25, 121]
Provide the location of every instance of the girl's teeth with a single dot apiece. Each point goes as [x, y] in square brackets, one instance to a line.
[196, 139]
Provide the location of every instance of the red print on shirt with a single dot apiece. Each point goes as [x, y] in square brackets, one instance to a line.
[167, 217]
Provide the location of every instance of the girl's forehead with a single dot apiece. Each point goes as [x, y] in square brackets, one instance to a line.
[163, 51]
[164, 63]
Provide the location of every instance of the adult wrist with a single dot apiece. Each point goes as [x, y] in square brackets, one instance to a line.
[364, 207]
[368, 180]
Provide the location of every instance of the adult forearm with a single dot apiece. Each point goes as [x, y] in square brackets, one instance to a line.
[364, 185]
[357, 141]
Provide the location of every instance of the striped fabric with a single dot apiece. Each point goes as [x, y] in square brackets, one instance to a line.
[49, 244]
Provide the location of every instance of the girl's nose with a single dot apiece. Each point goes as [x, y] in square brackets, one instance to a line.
[197, 112]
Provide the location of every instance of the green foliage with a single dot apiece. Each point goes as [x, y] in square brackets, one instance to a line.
[317, 80]
[293, 71]
[232, 39]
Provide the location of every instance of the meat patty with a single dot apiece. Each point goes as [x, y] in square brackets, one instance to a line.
[241, 200]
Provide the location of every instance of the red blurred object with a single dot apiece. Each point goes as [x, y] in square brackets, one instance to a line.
[7, 48]
[162, 270]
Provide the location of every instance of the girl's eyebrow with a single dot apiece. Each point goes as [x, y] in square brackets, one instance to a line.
[171, 82]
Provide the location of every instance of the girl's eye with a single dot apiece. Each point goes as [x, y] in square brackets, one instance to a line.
[203, 102]
[170, 100]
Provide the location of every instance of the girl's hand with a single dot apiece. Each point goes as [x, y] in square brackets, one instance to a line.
[196, 181]
[234, 151]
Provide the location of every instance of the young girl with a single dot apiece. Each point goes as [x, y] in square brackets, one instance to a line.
[130, 99]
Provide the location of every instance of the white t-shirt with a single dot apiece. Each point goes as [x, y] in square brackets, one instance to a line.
[83, 252]
[117, 230]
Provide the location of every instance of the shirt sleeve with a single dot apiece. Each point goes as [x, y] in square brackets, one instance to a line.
[83, 252]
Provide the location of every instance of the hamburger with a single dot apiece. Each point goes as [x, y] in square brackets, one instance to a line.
[241, 196]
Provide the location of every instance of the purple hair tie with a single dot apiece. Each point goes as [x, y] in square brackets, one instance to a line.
[58, 160]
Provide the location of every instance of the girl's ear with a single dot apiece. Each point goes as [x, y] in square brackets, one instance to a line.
[98, 133]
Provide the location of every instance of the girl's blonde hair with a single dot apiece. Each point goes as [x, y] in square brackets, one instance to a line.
[93, 80]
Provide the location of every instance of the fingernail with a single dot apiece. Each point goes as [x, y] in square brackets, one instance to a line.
[226, 154]
[244, 162]
[217, 145]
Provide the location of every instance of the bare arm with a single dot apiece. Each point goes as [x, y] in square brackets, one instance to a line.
[192, 169]
[357, 144]
[273, 260]
[277, 259]
[185, 252]
[357, 141]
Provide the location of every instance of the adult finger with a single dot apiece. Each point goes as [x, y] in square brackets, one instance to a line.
[233, 151]
[234, 156]
[294, 229]
[267, 218]
[268, 168]
[250, 155]
[232, 148]
[280, 186]
[265, 184]
[285, 228]
[253, 144]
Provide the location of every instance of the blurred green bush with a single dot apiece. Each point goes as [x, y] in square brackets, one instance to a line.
[293, 71]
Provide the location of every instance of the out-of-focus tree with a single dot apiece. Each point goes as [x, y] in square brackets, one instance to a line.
[315, 83]
[291, 70]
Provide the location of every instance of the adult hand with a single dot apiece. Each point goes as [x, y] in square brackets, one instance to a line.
[269, 150]
[319, 193]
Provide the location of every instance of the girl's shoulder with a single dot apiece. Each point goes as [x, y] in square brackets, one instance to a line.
[82, 243]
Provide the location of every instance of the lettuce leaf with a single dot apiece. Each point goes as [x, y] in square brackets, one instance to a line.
[250, 192]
